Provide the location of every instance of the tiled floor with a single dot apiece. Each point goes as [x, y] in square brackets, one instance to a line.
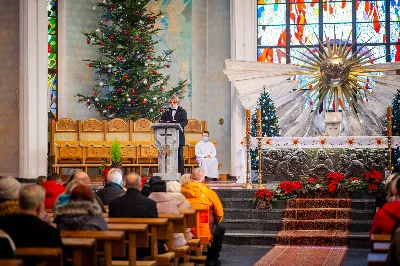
[248, 255]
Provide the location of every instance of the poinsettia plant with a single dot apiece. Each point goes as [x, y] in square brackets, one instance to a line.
[370, 180]
[288, 189]
[262, 198]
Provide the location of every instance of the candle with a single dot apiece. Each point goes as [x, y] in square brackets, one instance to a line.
[247, 113]
[259, 130]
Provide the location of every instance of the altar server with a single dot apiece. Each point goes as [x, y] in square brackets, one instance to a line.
[206, 156]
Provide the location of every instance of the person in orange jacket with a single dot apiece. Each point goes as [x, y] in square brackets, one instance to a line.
[200, 195]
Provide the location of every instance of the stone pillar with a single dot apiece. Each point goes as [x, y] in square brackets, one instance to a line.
[167, 143]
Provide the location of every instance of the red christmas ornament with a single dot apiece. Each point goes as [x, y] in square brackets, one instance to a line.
[89, 65]
[154, 72]
[150, 18]
[111, 37]
[106, 19]
[146, 43]
[147, 87]
[133, 91]
[168, 66]
[109, 107]
[80, 99]
[138, 12]
[149, 56]
[141, 30]
[144, 101]
[119, 90]
[152, 26]
[49, 50]
[125, 76]
[137, 38]
[94, 93]
[101, 44]
[88, 41]
[161, 110]
[161, 89]
[132, 102]
[124, 32]
[88, 102]
[121, 58]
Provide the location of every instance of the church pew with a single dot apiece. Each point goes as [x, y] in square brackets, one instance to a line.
[42, 256]
[380, 247]
[83, 250]
[158, 229]
[380, 238]
[376, 259]
[137, 236]
[191, 222]
[11, 262]
[109, 238]
[203, 221]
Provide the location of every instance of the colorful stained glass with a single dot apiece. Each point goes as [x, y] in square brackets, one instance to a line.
[376, 53]
[337, 12]
[394, 10]
[265, 33]
[304, 34]
[371, 32]
[395, 53]
[52, 54]
[302, 12]
[271, 14]
[271, 55]
[341, 28]
[394, 32]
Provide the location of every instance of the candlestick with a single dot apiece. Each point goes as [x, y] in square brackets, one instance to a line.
[248, 179]
[389, 134]
[259, 138]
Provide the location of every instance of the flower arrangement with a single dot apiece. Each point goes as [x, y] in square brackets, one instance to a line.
[262, 198]
[115, 160]
[334, 182]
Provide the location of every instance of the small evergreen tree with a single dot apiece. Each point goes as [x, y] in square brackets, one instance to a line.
[396, 130]
[269, 123]
[116, 152]
[128, 80]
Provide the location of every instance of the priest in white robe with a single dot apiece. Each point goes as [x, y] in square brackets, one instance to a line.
[206, 156]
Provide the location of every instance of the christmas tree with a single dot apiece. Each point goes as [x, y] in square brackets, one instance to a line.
[396, 130]
[269, 123]
[129, 82]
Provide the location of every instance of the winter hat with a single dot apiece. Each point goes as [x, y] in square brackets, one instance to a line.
[158, 186]
[9, 188]
[174, 186]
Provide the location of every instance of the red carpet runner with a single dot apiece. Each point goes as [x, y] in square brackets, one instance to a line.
[312, 229]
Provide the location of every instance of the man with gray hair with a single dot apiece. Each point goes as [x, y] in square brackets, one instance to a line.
[113, 187]
[26, 228]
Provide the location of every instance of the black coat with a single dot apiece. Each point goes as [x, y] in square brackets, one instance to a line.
[29, 231]
[109, 192]
[133, 205]
[181, 118]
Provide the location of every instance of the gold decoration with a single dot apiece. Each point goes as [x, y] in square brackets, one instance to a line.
[335, 74]
[166, 150]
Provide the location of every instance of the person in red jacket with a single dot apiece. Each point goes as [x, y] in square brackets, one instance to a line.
[53, 189]
[385, 219]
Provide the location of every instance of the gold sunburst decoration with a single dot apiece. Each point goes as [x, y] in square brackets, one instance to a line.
[336, 74]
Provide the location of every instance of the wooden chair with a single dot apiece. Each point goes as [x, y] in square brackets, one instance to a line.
[137, 236]
[42, 256]
[83, 250]
[11, 262]
[107, 238]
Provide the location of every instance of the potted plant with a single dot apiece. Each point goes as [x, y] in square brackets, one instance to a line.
[115, 160]
[262, 198]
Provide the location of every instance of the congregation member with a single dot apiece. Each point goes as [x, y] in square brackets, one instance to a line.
[206, 156]
[41, 179]
[81, 212]
[186, 178]
[7, 246]
[174, 190]
[166, 204]
[387, 216]
[9, 193]
[199, 195]
[177, 114]
[113, 188]
[26, 229]
[53, 189]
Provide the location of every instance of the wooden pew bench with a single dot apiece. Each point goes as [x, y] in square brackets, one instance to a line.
[42, 256]
[137, 236]
[190, 222]
[107, 238]
[83, 250]
[158, 230]
[11, 262]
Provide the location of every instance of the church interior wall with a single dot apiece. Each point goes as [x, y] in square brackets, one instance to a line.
[199, 32]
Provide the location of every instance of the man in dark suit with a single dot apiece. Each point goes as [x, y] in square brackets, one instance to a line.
[177, 114]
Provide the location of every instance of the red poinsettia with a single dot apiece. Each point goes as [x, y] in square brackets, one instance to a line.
[263, 194]
[334, 179]
[144, 180]
[373, 175]
[311, 180]
[372, 187]
[290, 187]
[354, 179]
[105, 172]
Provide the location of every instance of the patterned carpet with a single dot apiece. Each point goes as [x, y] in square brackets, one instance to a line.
[303, 256]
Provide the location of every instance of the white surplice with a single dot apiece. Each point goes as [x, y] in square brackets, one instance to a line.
[209, 165]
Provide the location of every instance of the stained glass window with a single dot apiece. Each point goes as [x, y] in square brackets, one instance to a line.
[284, 26]
[52, 54]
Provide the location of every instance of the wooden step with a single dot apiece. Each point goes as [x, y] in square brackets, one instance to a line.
[138, 263]
[197, 259]
[165, 259]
